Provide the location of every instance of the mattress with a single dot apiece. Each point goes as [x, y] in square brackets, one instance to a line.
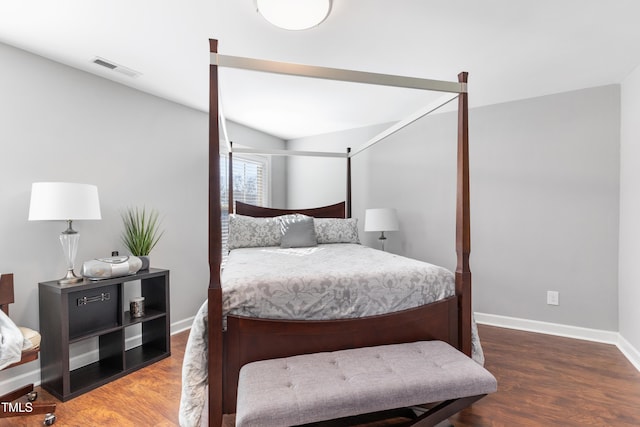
[330, 281]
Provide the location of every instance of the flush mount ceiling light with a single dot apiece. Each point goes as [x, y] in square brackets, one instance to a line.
[294, 14]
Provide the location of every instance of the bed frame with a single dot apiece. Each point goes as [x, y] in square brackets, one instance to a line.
[248, 339]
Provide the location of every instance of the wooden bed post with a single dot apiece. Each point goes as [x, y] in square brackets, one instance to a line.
[215, 254]
[230, 186]
[463, 230]
[348, 183]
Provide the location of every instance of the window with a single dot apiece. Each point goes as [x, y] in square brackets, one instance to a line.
[249, 180]
[249, 186]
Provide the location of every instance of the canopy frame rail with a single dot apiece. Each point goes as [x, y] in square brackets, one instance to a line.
[424, 111]
[452, 91]
[327, 73]
[276, 152]
[401, 124]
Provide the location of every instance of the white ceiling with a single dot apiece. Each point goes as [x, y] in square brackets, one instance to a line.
[512, 50]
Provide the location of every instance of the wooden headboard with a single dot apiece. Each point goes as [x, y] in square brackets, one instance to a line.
[331, 211]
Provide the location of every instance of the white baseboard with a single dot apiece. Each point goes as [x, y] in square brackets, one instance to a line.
[14, 382]
[576, 332]
[10, 380]
[630, 352]
[182, 325]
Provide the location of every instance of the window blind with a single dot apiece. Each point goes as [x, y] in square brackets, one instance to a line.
[249, 181]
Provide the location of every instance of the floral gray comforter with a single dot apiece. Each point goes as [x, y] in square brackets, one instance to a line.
[324, 282]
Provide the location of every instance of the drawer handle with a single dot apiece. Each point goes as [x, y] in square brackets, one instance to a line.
[105, 296]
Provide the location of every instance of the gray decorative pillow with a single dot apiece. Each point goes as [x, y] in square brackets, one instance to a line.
[337, 230]
[250, 232]
[298, 231]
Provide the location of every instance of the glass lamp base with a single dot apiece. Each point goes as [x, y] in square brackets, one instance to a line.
[382, 238]
[71, 277]
[69, 241]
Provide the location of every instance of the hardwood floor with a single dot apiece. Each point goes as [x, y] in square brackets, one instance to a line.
[542, 381]
[148, 397]
[545, 380]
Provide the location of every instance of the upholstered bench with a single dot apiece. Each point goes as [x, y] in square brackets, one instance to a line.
[323, 386]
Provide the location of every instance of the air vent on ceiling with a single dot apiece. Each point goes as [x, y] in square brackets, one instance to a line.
[116, 67]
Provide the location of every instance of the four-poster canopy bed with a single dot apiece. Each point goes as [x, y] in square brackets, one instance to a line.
[244, 339]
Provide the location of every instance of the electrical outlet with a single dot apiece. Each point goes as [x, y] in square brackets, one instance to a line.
[553, 298]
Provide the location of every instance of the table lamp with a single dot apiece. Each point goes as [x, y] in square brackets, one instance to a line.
[64, 201]
[383, 219]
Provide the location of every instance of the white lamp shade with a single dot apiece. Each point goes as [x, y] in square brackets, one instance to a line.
[294, 14]
[383, 219]
[51, 201]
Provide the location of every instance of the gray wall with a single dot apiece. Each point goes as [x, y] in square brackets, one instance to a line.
[630, 211]
[546, 180]
[328, 175]
[61, 124]
[544, 201]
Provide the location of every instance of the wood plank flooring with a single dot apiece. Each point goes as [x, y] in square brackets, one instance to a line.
[545, 380]
[542, 381]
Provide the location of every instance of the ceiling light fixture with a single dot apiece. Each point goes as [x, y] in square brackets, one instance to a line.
[294, 14]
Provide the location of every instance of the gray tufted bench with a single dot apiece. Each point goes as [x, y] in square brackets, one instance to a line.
[323, 386]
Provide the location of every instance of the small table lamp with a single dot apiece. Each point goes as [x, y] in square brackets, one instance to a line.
[384, 219]
[63, 201]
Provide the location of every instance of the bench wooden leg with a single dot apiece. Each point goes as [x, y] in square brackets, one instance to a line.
[444, 410]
